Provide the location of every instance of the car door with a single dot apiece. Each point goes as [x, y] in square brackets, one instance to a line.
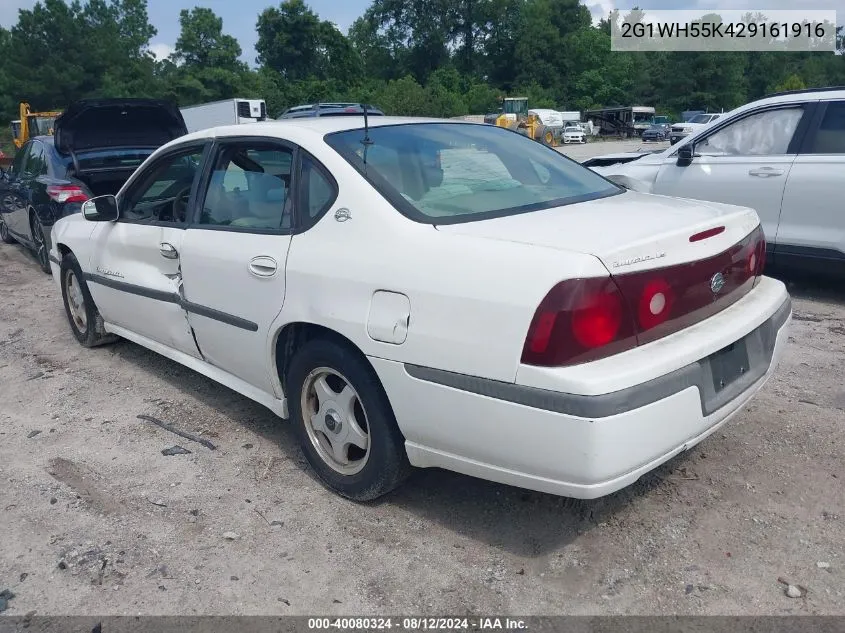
[812, 221]
[14, 194]
[134, 272]
[234, 255]
[743, 161]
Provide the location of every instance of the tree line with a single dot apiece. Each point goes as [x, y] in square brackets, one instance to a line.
[409, 57]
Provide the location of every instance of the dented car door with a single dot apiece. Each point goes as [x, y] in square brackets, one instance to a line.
[136, 272]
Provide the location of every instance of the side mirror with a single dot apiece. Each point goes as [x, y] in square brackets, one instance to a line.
[685, 155]
[100, 209]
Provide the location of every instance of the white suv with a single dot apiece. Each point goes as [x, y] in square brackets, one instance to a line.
[680, 131]
[783, 156]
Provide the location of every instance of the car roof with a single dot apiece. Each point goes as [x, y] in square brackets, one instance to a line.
[317, 126]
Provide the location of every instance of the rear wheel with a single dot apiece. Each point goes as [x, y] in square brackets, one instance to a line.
[5, 236]
[344, 421]
[41, 253]
[82, 314]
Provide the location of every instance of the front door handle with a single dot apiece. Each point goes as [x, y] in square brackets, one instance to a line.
[168, 251]
[263, 266]
[765, 172]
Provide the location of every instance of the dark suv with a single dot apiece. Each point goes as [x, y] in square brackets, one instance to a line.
[97, 145]
[329, 109]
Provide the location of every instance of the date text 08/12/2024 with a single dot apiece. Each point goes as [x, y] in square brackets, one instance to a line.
[416, 623]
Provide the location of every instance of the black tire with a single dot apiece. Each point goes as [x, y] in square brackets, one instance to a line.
[91, 333]
[42, 253]
[5, 236]
[386, 465]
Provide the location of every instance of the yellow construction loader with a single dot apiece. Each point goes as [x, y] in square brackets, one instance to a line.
[32, 124]
[515, 116]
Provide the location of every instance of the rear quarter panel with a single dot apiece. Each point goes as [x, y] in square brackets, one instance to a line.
[471, 298]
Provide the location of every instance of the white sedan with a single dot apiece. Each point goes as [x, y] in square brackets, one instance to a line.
[435, 294]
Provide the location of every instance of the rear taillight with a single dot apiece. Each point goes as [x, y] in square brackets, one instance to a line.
[759, 257]
[577, 321]
[66, 193]
[586, 319]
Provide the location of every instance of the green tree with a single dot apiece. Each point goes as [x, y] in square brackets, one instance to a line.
[202, 43]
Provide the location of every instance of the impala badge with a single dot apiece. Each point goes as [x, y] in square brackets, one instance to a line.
[342, 215]
[717, 282]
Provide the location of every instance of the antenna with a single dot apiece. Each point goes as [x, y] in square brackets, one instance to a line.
[366, 140]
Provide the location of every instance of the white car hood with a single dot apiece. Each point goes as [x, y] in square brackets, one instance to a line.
[630, 231]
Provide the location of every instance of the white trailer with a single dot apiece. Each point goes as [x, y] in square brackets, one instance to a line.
[226, 112]
[570, 116]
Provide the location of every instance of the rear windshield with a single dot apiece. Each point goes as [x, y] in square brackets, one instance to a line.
[444, 173]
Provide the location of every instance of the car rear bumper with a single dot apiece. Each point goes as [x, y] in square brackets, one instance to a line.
[583, 445]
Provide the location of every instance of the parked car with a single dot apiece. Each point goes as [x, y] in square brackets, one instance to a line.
[329, 109]
[656, 132]
[682, 130]
[782, 156]
[96, 145]
[573, 134]
[321, 269]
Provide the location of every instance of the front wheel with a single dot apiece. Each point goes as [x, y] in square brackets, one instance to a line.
[82, 314]
[344, 421]
[5, 236]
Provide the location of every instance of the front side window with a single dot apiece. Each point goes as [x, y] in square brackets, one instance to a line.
[763, 134]
[249, 188]
[163, 193]
[446, 173]
[830, 137]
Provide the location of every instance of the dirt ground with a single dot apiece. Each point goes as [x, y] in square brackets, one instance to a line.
[95, 520]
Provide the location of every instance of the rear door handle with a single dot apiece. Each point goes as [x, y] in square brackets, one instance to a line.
[168, 251]
[263, 266]
[765, 172]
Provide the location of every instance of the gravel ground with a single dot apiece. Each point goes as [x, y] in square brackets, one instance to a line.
[597, 147]
[95, 520]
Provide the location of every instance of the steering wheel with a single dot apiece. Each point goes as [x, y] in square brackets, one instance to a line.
[180, 204]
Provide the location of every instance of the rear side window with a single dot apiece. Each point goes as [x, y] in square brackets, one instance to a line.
[249, 188]
[20, 159]
[762, 134]
[36, 161]
[317, 191]
[446, 173]
[830, 137]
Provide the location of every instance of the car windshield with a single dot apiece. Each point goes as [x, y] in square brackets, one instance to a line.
[642, 117]
[701, 118]
[446, 173]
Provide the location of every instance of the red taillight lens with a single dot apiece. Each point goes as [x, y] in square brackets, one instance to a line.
[760, 257]
[66, 193]
[596, 323]
[586, 319]
[577, 321]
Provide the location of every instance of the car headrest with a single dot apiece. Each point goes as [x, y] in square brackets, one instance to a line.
[275, 195]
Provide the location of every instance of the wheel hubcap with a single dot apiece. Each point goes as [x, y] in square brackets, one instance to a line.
[38, 236]
[335, 421]
[75, 302]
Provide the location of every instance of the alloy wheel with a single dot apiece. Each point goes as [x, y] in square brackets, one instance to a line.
[335, 421]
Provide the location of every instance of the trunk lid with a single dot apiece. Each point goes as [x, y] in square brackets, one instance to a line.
[629, 232]
[672, 263]
[98, 124]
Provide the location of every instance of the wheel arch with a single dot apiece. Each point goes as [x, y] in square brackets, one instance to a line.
[292, 336]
